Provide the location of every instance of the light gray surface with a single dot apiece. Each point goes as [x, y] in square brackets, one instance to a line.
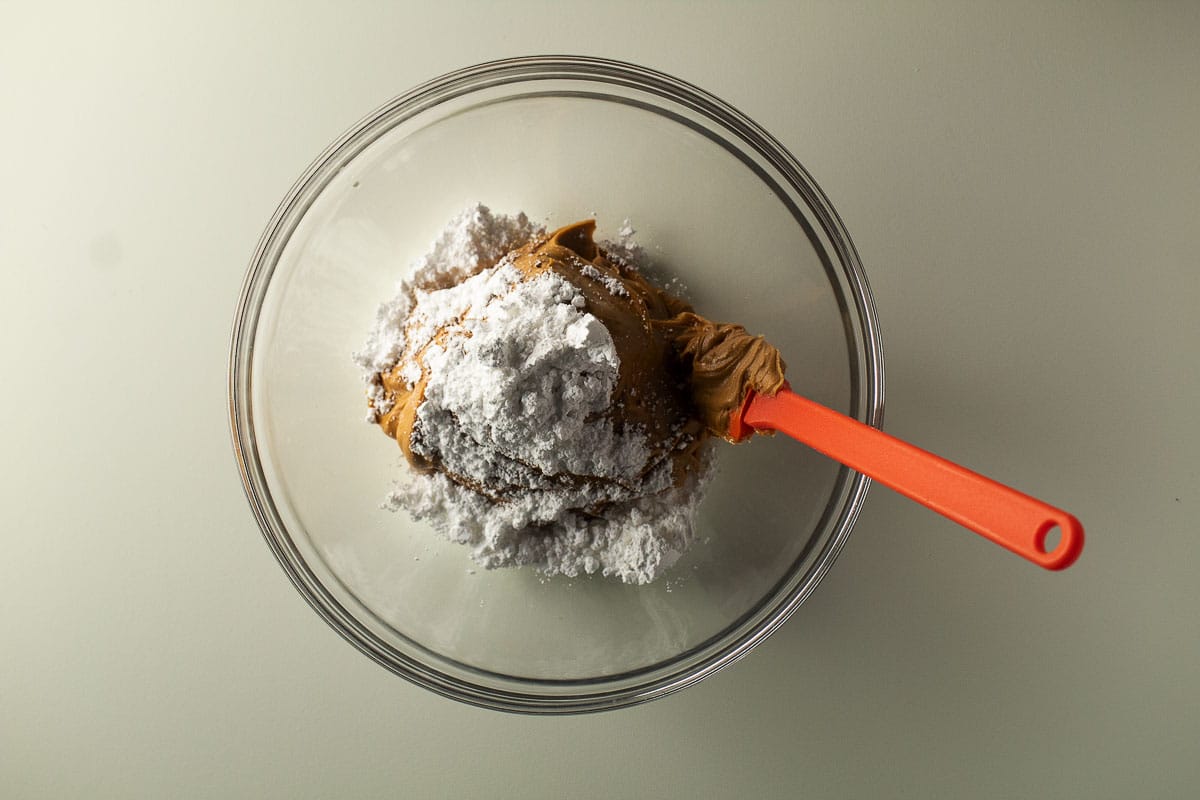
[1022, 184]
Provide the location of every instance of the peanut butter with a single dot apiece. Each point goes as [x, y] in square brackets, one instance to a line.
[724, 364]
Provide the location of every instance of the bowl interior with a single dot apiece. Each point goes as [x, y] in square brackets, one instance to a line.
[709, 215]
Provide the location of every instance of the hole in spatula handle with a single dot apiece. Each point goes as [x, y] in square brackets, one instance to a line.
[1049, 538]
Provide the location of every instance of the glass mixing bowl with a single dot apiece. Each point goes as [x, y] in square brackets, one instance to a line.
[719, 205]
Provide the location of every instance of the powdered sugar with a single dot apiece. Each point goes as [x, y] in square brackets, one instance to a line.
[519, 379]
[470, 241]
[613, 285]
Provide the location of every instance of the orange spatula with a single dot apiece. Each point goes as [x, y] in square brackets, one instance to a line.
[1009, 518]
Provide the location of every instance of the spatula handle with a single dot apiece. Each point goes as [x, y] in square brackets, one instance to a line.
[1009, 518]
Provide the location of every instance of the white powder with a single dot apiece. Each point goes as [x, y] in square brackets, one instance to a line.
[470, 240]
[520, 382]
[614, 286]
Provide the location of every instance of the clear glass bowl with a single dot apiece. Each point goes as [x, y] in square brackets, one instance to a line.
[719, 205]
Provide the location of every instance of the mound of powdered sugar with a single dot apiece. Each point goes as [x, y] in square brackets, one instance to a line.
[519, 380]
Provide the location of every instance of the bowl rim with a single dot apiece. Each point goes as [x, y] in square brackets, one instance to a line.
[868, 398]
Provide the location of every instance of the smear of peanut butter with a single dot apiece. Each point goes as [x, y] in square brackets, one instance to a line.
[399, 420]
[674, 364]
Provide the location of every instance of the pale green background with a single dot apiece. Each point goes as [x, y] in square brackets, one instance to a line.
[1023, 184]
